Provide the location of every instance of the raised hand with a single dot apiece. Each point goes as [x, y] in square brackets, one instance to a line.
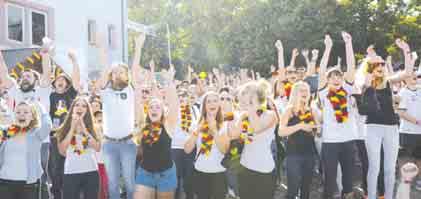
[140, 40]
[72, 55]
[346, 37]
[409, 171]
[305, 53]
[315, 54]
[295, 52]
[402, 45]
[328, 41]
[278, 45]
[371, 52]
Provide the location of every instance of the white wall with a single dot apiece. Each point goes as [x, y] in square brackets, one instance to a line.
[71, 26]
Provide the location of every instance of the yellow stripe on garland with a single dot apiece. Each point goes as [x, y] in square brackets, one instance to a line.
[30, 60]
[36, 55]
[20, 66]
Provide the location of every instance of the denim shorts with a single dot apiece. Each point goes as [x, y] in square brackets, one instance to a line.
[165, 181]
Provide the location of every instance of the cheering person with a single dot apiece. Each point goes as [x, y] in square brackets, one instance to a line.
[300, 125]
[211, 141]
[339, 122]
[156, 172]
[20, 157]
[255, 129]
[382, 121]
[78, 142]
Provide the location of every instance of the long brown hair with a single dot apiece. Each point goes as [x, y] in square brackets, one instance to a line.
[88, 119]
[203, 112]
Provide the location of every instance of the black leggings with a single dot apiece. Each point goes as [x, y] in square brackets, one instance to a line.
[85, 183]
[210, 185]
[255, 185]
[18, 190]
[332, 154]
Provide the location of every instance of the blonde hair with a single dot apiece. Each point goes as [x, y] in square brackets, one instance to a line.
[35, 122]
[260, 88]
[294, 101]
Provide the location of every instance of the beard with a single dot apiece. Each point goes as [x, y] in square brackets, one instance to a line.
[25, 86]
[119, 84]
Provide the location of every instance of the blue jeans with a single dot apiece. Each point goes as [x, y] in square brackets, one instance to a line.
[120, 160]
[299, 174]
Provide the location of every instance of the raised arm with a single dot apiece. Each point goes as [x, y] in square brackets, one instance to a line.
[45, 80]
[409, 67]
[325, 61]
[140, 40]
[75, 70]
[311, 69]
[281, 61]
[350, 57]
[294, 56]
[5, 80]
[172, 100]
[103, 61]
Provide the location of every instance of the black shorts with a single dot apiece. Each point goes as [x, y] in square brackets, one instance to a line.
[411, 145]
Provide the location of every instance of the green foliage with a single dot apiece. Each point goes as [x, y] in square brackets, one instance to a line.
[242, 33]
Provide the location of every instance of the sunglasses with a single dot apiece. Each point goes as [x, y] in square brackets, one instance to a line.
[146, 92]
[226, 99]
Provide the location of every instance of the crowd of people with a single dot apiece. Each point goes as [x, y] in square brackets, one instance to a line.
[148, 135]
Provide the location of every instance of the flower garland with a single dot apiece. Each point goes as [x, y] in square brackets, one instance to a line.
[151, 134]
[74, 146]
[60, 111]
[185, 117]
[339, 103]
[287, 88]
[228, 117]
[306, 117]
[12, 131]
[207, 139]
[246, 137]
[145, 108]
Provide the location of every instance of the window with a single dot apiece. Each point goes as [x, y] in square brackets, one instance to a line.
[15, 22]
[39, 27]
[111, 36]
[91, 32]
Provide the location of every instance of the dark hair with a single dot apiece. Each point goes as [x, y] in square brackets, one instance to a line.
[97, 113]
[203, 112]
[194, 81]
[63, 130]
[225, 89]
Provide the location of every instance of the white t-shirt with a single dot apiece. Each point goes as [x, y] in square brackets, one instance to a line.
[118, 112]
[411, 102]
[257, 155]
[41, 94]
[83, 163]
[281, 104]
[334, 132]
[211, 163]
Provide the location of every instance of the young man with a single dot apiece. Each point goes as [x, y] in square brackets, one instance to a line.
[339, 122]
[118, 100]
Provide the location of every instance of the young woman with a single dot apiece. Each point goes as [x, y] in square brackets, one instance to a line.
[20, 158]
[211, 142]
[156, 172]
[256, 126]
[382, 121]
[78, 142]
[299, 124]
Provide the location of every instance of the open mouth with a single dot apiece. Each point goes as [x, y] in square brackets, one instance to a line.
[154, 115]
[212, 109]
[21, 121]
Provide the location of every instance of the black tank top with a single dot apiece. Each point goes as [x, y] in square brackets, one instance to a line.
[383, 112]
[157, 157]
[301, 142]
